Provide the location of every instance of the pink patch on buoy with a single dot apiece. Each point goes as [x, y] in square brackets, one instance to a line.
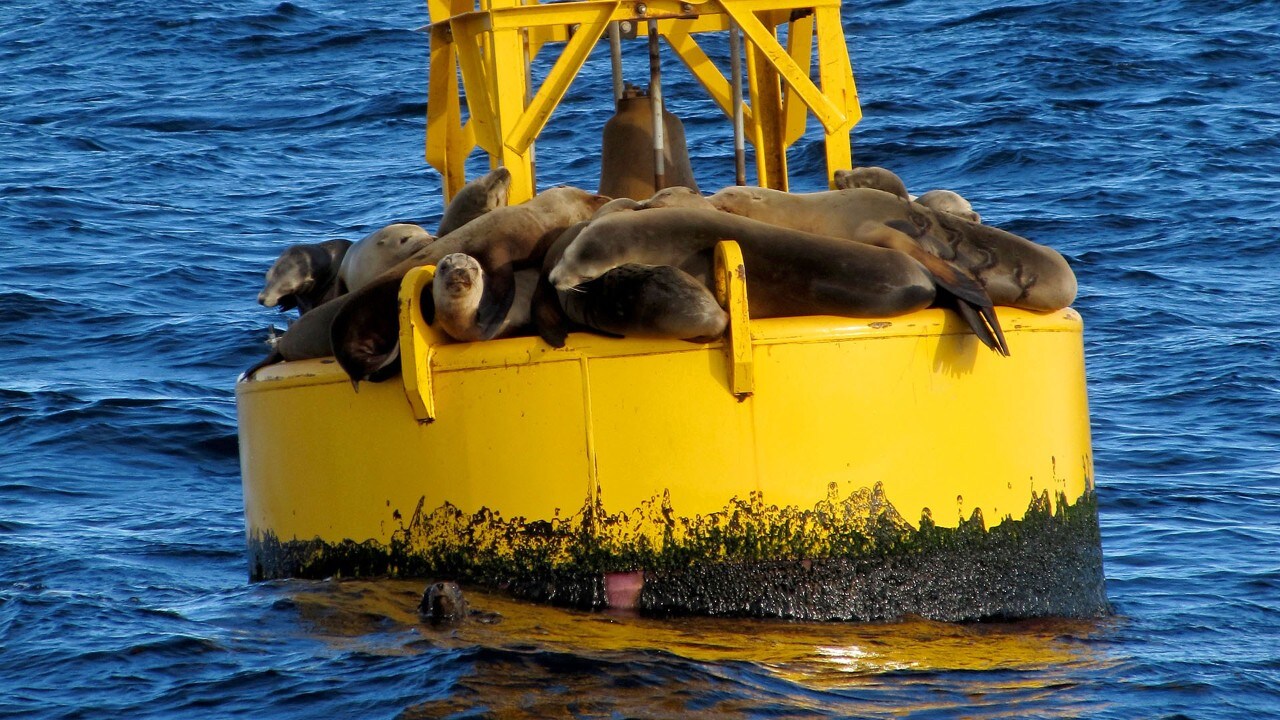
[622, 590]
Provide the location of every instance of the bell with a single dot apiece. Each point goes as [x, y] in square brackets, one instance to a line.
[626, 160]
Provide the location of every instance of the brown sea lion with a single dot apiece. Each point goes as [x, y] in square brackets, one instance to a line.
[380, 250]
[485, 193]
[949, 202]
[443, 604]
[1013, 270]
[304, 276]
[365, 331]
[631, 300]
[458, 291]
[789, 272]
[875, 178]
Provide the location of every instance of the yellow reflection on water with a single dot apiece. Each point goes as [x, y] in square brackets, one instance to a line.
[1032, 658]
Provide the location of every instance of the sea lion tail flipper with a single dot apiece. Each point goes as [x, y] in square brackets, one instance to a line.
[366, 331]
[270, 359]
[971, 298]
[499, 294]
[548, 316]
[983, 322]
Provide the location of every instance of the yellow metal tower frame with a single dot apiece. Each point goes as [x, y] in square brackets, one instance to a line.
[494, 45]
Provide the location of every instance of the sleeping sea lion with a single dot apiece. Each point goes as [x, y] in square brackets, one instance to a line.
[1013, 270]
[304, 276]
[485, 193]
[631, 300]
[365, 331]
[949, 202]
[875, 178]
[789, 272]
[380, 250]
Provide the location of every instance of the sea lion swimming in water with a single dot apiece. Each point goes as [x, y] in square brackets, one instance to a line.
[1013, 270]
[365, 330]
[790, 272]
[484, 194]
[304, 276]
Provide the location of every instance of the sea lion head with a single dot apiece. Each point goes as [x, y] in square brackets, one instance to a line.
[400, 240]
[949, 202]
[496, 186]
[289, 276]
[458, 275]
[876, 178]
[737, 199]
[443, 604]
[573, 204]
[586, 258]
[622, 204]
[678, 197]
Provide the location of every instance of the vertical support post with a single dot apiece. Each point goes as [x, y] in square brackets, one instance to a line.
[731, 291]
[836, 77]
[766, 111]
[507, 88]
[655, 102]
[615, 59]
[416, 341]
[739, 131]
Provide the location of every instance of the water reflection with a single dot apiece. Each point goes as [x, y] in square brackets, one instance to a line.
[549, 662]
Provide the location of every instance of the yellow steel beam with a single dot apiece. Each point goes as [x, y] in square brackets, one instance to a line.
[800, 48]
[417, 339]
[767, 44]
[766, 107]
[534, 117]
[449, 142]
[731, 291]
[680, 38]
[836, 76]
[466, 33]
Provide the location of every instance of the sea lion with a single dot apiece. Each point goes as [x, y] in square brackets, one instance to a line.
[1013, 270]
[306, 338]
[304, 276]
[622, 204]
[949, 202]
[875, 178]
[789, 272]
[458, 292]
[443, 604]
[631, 300]
[380, 250]
[485, 193]
[635, 300]
[365, 331]
[674, 197]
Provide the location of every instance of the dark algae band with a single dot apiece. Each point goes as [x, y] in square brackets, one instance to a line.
[850, 558]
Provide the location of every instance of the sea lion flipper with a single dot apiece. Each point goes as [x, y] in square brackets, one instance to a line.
[366, 332]
[989, 314]
[271, 359]
[548, 317]
[984, 324]
[499, 294]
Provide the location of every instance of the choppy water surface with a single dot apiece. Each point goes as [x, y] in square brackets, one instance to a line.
[154, 158]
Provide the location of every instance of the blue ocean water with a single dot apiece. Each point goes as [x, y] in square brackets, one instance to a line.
[155, 157]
